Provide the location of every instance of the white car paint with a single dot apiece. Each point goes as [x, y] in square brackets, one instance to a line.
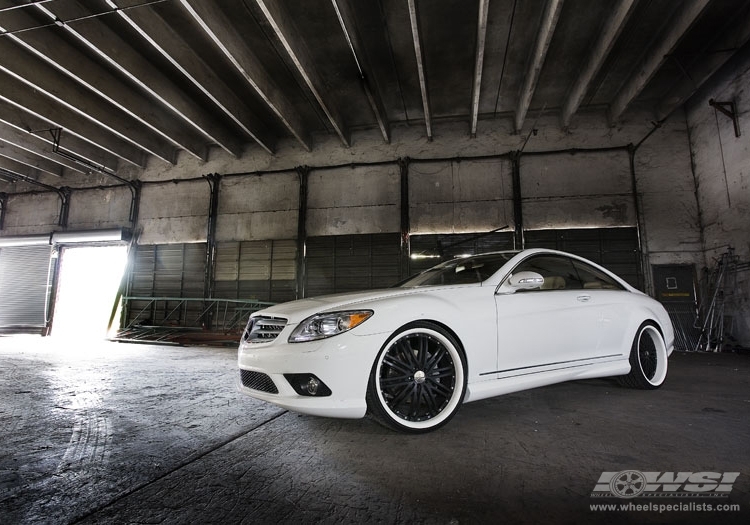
[512, 341]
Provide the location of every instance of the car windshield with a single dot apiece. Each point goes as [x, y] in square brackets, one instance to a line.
[460, 271]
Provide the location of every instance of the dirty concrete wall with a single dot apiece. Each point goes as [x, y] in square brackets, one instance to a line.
[581, 190]
[349, 201]
[257, 207]
[99, 208]
[448, 190]
[31, 214]
[463, 196]
[722, 173]
[174, 212]
[666, 191]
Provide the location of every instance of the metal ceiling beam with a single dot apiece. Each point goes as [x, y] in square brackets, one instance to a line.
[714, 56]
[159, 33]
[611, 31]
[58, 116]
[544, 37]
[55, 50]
[687, 13]
[476, 90]
[138, 70]
[22, 122]
[230, 42]
[50, 82]
[416, 40]
[369, 82]
[283, 26]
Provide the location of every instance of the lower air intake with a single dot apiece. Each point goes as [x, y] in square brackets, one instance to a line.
[258, 381]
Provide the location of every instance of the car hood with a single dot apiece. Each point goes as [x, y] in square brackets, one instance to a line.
[296, 311]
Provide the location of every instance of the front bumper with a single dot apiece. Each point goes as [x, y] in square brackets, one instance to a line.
[343, 363]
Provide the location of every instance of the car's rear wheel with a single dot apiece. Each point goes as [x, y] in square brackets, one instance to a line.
[418, 380]
[648, 359]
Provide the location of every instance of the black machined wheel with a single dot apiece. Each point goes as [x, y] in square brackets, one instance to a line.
[418, 381]
[648, 359]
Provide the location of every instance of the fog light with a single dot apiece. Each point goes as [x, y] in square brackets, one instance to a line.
[308, 385]
[312, 386]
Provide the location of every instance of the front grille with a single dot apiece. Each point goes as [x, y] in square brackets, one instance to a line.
[258, 381]
[263, 329]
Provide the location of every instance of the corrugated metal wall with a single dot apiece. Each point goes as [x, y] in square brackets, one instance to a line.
[347, 263]
[166, 270]
[266, 270]
[260, 270]
[24, 287]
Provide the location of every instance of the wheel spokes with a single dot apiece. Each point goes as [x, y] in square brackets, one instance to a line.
[647, 356]
[417, 377]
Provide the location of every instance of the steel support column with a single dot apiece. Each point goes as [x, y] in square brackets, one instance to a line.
[515, 160]
[214, 181]
[303, 173]
[3, 206]
[403, 165]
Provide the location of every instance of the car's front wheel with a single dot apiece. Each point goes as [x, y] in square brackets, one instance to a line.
[418, 380]
[648, 359]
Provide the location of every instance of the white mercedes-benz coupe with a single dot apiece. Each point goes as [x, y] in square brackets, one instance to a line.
[464, 330]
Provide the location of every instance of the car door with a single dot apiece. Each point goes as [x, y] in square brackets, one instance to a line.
[610, 297]
[553, 327]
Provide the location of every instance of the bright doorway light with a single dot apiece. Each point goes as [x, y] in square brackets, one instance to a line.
[89, 279]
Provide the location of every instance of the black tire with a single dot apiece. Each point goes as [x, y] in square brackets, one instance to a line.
[418, 380]
[648, 359]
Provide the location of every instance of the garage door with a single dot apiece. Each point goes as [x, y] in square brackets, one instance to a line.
[260, 270]
[346, 263]
[24, 287]
[164, 272]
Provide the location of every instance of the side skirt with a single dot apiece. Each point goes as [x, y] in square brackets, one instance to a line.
[533, 379]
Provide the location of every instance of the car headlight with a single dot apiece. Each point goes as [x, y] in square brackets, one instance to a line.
[320, 326]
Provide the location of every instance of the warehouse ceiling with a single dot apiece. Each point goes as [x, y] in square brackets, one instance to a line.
[89, 86]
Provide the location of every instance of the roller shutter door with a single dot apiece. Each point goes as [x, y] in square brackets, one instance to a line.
[347, 263]
[259, 270]
[164, 271]
[24, 287]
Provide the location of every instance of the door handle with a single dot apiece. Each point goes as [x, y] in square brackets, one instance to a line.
[584, 298]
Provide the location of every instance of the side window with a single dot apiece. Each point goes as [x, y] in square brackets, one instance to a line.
[593, 279]
[558, 272]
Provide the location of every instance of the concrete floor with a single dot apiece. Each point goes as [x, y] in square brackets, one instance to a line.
[116, 433]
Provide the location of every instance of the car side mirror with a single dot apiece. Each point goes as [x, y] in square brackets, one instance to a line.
[522, 281]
